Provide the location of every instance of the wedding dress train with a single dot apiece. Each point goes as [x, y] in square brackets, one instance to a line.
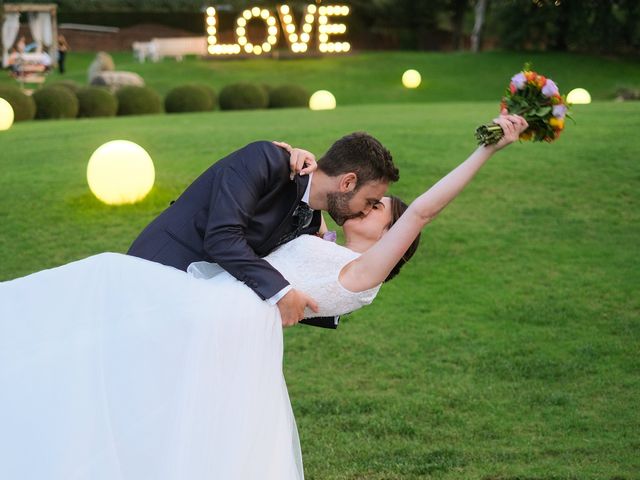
[117, 368]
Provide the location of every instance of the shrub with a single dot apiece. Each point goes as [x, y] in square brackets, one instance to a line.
[55, 102]
[97, 102]
[24, 106]
[138, 101]
[267, 88]
[189, 98]
[289, 96]
[211, 93]
[243, 96]
[627, 93]
[73, 86]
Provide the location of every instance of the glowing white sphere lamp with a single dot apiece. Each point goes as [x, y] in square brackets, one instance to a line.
[578, 95]
[120, 172]
[6, 115]
[411, 79]
[322, 100]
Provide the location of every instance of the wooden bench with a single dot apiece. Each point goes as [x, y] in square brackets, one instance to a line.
[176, 47]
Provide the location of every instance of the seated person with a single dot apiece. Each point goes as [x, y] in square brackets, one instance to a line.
[13, 61]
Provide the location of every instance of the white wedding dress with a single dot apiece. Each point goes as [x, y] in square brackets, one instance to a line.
[119, 368]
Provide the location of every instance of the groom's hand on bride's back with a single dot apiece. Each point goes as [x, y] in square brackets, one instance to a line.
[292, 307]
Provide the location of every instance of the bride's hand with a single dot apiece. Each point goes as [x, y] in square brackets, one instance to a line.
[512, 126]
[301, 162]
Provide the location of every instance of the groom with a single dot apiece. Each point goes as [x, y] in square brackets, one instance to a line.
[246, 205]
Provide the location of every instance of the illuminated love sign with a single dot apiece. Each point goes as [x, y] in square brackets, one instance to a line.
[298, 37]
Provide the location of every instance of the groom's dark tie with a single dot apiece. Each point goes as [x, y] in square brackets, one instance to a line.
[302, 216]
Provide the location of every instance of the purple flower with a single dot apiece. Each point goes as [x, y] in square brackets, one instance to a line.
[559, 111]
[330, 236]
[550, 88]
[519, 80]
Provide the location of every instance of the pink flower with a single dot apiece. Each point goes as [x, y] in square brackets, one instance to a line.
[519, 80]
[550, 88]
[559, 111]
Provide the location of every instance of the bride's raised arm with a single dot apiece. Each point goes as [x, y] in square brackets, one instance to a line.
[374, 265]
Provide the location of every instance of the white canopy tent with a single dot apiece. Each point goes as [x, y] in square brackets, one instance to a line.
[43, 25]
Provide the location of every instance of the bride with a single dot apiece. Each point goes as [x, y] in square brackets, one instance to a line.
[114, 367]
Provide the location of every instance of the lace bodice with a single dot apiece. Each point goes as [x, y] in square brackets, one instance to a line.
[311, 265]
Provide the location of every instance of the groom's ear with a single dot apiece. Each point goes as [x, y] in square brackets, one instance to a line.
[348, 182]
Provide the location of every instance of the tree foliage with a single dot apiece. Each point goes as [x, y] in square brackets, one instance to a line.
[611, 26]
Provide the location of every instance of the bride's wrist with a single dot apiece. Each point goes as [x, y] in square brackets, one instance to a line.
[488, 149]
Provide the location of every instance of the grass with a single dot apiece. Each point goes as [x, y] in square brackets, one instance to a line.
[507, 348]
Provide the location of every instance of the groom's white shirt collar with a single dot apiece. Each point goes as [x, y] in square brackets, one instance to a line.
[307, 192]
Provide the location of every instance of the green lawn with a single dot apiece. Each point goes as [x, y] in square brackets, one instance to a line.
[507, 348]
[374, 77]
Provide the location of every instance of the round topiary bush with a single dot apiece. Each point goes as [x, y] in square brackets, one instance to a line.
[189, 98]
[289, 96]
[55, 102]
[243, 96]
[213, 96]
[138, 101]
[73, 86]
[24, 107]
[267, 88]
[97, 102]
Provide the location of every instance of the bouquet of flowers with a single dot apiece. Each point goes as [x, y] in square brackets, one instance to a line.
[537, 99]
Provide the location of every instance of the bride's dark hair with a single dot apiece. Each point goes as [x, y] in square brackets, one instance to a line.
[398, 207]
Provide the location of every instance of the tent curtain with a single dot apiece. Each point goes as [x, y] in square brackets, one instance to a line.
[40, 26]
[47, 29]
[10, 29]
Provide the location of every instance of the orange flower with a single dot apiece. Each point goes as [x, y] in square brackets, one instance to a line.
[541, 80]
[556, 123]
[530, 76]
[556, 100]
[526, 135]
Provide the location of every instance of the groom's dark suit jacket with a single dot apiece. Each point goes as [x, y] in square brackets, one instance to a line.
[233, 214]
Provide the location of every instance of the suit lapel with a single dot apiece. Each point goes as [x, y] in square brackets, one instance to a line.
[285, 224]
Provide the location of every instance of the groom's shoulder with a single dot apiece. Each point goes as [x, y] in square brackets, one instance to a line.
[264, 147]
[259, 155]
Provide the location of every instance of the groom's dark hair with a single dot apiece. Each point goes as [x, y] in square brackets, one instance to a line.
[362, 154]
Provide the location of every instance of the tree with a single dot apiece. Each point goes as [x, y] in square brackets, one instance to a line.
[457, 11]
[480, 10]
